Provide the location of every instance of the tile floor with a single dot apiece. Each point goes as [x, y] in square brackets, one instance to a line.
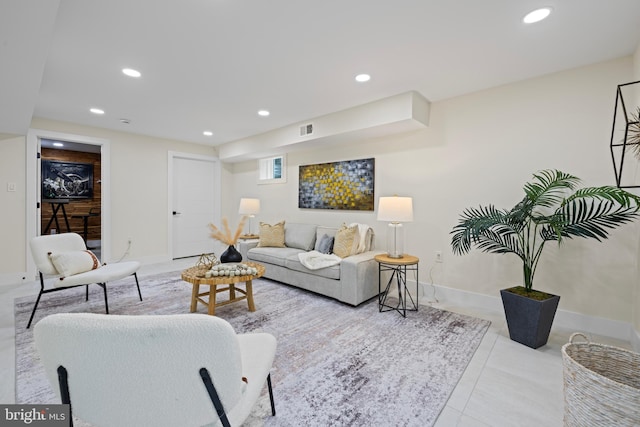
[506, 384]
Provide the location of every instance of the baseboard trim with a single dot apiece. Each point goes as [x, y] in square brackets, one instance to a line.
[564, 319]
[595, 325]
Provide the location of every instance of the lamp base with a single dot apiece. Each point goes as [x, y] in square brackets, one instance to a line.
[395, 240]
[395, 256]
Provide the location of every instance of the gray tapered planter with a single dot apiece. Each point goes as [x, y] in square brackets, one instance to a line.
[529, 320]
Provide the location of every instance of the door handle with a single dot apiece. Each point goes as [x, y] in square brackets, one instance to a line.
[176, 213]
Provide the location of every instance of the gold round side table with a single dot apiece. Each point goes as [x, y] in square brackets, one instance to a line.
[398, 268]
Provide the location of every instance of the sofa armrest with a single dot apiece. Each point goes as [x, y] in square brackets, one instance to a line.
[362, 257]
[359, 277]
[245, 245]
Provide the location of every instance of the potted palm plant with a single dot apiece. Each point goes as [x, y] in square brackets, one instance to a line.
[552, 210]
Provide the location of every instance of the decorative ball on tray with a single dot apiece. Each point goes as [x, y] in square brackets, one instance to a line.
[231, 270]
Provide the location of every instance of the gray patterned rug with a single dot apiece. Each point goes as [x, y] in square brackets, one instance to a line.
[336, 365]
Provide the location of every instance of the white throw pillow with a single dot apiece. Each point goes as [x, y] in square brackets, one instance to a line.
[74, 262]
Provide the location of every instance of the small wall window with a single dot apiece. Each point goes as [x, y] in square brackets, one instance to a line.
[272, 170]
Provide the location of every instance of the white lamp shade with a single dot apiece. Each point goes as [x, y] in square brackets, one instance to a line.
[249, 207]
[395, 209]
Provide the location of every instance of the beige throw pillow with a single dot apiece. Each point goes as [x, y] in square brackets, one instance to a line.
[74, 262]
[343, 244]
[271, 235]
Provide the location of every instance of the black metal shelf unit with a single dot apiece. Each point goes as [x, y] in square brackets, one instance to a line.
[630, 122]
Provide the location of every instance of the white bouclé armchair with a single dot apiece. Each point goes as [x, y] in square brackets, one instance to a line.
[64, 261]
[163, 370]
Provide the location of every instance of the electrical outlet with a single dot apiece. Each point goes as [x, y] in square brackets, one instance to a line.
[438, 256]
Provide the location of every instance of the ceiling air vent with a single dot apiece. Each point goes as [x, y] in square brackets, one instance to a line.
[306, 129]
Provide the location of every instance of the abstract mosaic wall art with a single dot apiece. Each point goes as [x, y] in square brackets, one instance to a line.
[345, 185]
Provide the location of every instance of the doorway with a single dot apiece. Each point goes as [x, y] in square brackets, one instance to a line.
[194, 202]
[36, 140]
[71, 196]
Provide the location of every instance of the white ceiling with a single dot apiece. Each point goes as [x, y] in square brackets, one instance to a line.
[212, 64]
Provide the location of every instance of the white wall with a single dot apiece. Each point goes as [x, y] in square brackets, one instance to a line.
[138, 193]
[500, 137]
[481, 148]
[12, 167]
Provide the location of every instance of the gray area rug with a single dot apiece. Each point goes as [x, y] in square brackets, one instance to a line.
[336, 365]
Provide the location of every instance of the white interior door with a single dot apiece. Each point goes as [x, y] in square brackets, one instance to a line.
[193, 205]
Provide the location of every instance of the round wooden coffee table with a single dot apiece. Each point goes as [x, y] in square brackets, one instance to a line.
[196, 276]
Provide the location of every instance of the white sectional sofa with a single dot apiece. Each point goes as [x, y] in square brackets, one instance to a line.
[353, 281]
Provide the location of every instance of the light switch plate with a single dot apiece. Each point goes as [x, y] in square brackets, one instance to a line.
[11, 186]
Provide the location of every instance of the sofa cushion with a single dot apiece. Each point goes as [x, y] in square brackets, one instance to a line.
[346, 241]
[293, 263]
[276, 256]
[301, 236]
[271, 236]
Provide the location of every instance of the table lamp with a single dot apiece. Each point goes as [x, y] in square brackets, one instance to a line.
[249, 207]
[395, 210]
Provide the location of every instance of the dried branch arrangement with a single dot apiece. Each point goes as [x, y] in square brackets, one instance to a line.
[225, 235]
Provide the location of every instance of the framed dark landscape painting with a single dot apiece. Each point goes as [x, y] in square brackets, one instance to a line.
[345, 185]
[66, 180]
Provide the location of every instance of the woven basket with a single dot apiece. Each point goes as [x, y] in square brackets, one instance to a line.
[601, 384]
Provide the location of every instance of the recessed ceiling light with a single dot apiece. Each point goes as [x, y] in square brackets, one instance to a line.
[58, 144]
[131, 72]
[263, 113]
[207, 133]
[96, 111]
[363, 78]
[537, 15]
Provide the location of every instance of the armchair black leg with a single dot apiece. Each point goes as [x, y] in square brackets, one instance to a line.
[34, 309]
[63, 382]
[43, 291]
[213, 395]
[33, 312]
[106, 303]
[86, 298]
[138, 285]
[273, 405]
